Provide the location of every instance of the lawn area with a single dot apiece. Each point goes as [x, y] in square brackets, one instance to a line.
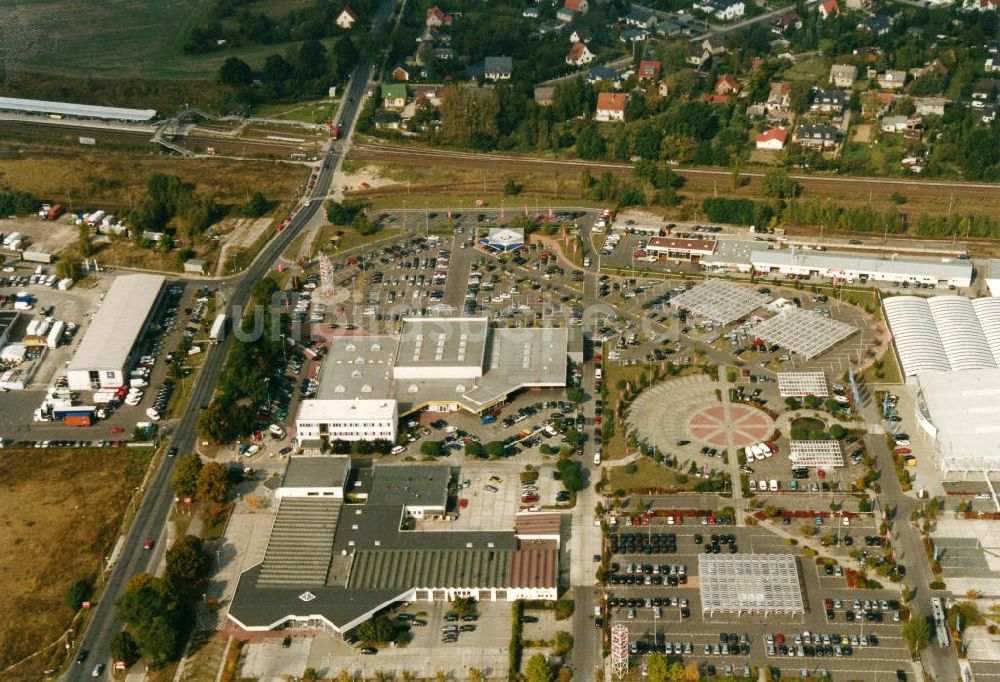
[318, 111]
[118, 39]
[647, 475]
[350, 239]
[810, 69]
[889, 371]
[62, 511]
[616, 447]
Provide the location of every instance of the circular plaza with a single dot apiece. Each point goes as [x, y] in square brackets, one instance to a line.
[689, 409]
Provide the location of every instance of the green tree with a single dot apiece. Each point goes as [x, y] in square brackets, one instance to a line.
[813, 401]
[494, 448]
[78, 593]
[917, 633]
[378, 630]
[464, 606]
[511, 188]
[124, 648]
[310, 675]
[473, 449]
[589, 142]
[563, 643]
[213, 483]
[67, 267]
[150, 609]
[837, 431]
[575, 394]
[185, 476]
[235, 71]
[656, 667]
[538, 670]
[778, 185]
[431, 448]
[256, 206]
[187, 562]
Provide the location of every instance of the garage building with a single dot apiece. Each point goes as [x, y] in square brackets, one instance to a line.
[681, 249]
[844, 266]
[110, 346]
[78, 111]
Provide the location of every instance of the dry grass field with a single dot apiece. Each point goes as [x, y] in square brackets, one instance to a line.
[61, 514]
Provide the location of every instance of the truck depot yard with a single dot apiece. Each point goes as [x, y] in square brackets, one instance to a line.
[62, 512]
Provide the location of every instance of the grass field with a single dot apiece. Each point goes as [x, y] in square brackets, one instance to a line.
[62, 510]
[116, 39]
[647, 475]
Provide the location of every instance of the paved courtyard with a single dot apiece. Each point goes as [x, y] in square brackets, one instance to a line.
[688, 408]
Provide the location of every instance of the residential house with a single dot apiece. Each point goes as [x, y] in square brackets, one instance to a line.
[858, 5]
[566, 15]
[394, 96]
[640, 18]
[697, 55]
[635, 35]
[986, 88]
[436, 18]
[894, 124]
[649, 70]
[828, 8]
[715, 45]
[401, 73]
[817, 136]
[580, 35]
[989, 115]
[610, 106]
[786, 21]
[726, 85]
[875, 104]
[498, 68]
[772, 139]
[444, 53]
[346, 18]
[893, 79]
[603, 74]
[430, 36]
[828, 101]
[877, 25]
[867, 52]
[579, 55]
[581, 6]
[843, 75]
[756, 63]
[982, 5]
[723, 10]
[531, 12]
[388, 120]
[992, 65]
[547, 27]
[544, 94]
[717, 99]
[930, 106]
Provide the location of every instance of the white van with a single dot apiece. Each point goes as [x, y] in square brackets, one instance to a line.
[398, 449]
[762, 485]
[597, 458]
[774, 486]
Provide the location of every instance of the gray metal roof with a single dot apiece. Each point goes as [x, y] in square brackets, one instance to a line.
[323, 471]
[34, 106]
[964, 408]
[406, 484]
[378, 526]
[448, 342]
[850, 262]
[118, 323]
[430, 568]
[301, 543]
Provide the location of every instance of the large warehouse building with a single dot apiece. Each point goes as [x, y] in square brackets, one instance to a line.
[333, 565]
[109, 348]
[439, 364]
[855, 266]
[949, 350]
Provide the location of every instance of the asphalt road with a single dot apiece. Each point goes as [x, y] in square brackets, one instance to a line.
[154, 510]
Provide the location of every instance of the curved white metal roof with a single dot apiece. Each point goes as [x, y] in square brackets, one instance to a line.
[961, 334]
[948, 333]
[916, 337]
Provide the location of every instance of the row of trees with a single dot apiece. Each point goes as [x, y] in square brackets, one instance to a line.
[17, 203]
[209, 482]
[300, 73]
[253, 354]
[158, 611]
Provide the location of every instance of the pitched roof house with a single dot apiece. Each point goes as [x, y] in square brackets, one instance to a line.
[843, 75]
[436, 17]
[727, 84]
[346, 18]
[610, 106]
[827, 8]
[894, 79]
[773, 138]
[579, 54]
[498, 68]
[649, 69]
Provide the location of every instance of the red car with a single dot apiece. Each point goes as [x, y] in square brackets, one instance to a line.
[902, 451]
[528, 499]
[117, 429]
[147, 545]
[463, 503]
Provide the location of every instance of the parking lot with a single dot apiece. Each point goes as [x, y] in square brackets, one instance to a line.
[668, 616]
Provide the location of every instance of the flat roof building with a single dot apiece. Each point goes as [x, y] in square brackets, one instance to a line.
[681, 249]
[333, 565]
[70, 110]
[853, 266]
[315, 476]
[960, 413]
[108, 347]
[8, 318]
[440, 364]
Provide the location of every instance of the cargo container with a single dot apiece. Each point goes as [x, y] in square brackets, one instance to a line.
[55, 334]
[218, 331]
[43, 328]
[10, 238]
[74, 411]
[36, 257]
[54, 212]
[78, 420]
[95, 217]
[65, 284]
[32, 328]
